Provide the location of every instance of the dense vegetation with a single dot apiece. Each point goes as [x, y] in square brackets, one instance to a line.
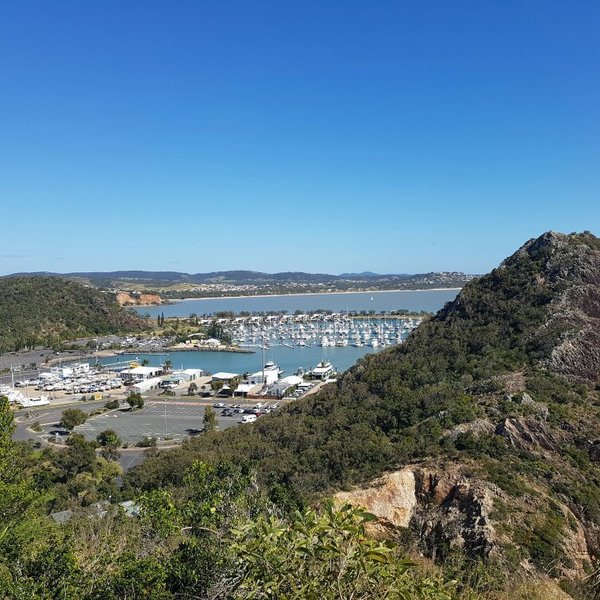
[46, 310]
[477, 389]
[215, 536]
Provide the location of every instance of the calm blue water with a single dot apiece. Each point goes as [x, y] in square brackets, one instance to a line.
[289, 359]
[428, 300]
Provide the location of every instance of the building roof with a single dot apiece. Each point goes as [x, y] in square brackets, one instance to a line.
[141, 370]
[244, 388]
[224, 375]
[192, 371]
[292, 380]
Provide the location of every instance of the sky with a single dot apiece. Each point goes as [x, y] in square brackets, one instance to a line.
[321, 135]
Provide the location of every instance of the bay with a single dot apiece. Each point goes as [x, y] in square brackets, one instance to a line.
[412, 300]
[289, 359]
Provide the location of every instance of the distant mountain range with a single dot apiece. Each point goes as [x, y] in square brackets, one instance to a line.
[117, 279]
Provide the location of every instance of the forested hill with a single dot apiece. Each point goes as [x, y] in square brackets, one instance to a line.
[174, 284]
[492, 406]
[44, 310]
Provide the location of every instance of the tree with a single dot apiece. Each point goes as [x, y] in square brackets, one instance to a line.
[78, 457]
[216, 385]
[192, 389]
[7, 425]
[135, 401]
[215, 330]
[326, 555]
[209, 420]
[72, 417]
[167, 366]
[109, 438]
[110, 441]
[145, 362]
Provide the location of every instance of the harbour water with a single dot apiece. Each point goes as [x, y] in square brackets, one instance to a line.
[412, 300]
[289, 359]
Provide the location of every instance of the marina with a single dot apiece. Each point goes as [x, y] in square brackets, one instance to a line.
[295, 342]
[296, 338]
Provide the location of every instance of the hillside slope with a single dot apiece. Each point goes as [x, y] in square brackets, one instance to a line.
[181, 285]
[42, 310]
[491, 410]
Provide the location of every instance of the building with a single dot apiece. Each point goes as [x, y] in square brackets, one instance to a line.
[284, 386]
[138, 374]
[322, 371]
[243, 389]
[270, 377]
[143, 385]
[188, 374]
[224, 377]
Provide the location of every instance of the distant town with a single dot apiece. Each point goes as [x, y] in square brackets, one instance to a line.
[160, 286]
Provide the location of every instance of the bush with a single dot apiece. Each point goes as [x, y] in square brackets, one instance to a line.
[72, 417]
[109, 437]
[147, 442]
[135, 401]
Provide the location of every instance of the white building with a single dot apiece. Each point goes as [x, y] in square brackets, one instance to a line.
[140, 373]
[189, 374]
[322, 371]
[243, 389]
[223, 376]
[270, 377]
[292, 380]
[143, 385]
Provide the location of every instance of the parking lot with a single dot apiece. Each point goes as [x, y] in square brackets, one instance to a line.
[160, 419]
[169, 420]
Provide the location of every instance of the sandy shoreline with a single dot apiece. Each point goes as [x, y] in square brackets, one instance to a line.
[454, 289]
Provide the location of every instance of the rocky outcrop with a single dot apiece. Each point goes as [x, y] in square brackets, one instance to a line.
[575, 546]
[453, 511]
[447, 509]
[392, 498]
[127, 299]
[527, 434]
[444, 508]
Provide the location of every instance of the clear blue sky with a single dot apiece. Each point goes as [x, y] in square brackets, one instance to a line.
[319, 135]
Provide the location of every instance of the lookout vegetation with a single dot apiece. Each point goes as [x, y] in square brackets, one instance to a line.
[48, 310]
[462, 464]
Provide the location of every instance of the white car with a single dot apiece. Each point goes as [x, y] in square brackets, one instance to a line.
[248, 419]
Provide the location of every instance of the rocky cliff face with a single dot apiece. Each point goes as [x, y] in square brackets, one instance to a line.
[444, 507]
[126, 299]
[448, 509]
[572, 269]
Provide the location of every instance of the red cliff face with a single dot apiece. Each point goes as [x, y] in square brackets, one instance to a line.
[127, 299]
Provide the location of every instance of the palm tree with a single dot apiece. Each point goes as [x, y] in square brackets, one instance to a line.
[167, 366]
